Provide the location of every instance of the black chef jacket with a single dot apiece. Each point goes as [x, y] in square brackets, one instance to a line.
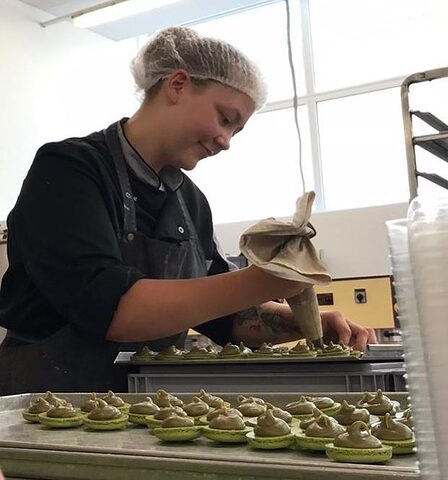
[65, 264]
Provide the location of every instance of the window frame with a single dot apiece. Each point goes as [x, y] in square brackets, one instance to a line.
[312, 97]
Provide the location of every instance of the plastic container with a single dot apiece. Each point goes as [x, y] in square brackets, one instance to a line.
[419, 257]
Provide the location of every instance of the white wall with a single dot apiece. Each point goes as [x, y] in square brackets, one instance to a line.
[353, 243]
[54, 82]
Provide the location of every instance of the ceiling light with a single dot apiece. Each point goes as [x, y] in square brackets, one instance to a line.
[109, 12]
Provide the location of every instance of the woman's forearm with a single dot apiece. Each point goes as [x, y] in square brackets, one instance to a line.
[153, 309]
[269, 323]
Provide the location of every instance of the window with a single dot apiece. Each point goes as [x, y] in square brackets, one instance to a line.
[350, 58]
[359, 148]
[261, 34]
[259, 176]
[359, 42]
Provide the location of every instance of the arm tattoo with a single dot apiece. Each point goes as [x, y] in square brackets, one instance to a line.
[245, 315]
[272, 323]
[277, 324]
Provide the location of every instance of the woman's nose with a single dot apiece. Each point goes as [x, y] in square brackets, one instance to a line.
[223, 141]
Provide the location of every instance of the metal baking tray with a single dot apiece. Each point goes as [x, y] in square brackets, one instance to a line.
[124, 358]
[34, 451]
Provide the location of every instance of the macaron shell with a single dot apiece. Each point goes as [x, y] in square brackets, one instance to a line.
[400, 447]
[330, 411]
[114, 424]
[359, 455]
[138, 418]
[61, 422]
[226, 436]
[152, 422]
[30, 417]
[270, 443]
[177, 434]
[312, 443]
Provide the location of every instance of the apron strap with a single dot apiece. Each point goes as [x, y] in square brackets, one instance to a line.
[129, 216]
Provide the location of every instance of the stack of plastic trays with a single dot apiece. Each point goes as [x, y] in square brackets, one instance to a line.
[414, 349]
[428, 247]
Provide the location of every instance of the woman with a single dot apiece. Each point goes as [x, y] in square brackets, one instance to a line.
[110, 243]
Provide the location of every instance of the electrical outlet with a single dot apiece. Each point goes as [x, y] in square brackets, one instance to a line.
[325, 299]
[360, 295]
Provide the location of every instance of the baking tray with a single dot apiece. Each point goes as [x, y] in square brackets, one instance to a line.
[372, 355]
[34, 451]
[124, 358]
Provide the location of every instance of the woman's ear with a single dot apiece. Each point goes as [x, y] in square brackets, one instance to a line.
[176, 84]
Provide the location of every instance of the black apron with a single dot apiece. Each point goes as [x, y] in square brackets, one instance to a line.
[65, 361]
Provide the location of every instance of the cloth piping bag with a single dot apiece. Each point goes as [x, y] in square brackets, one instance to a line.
[284, 249]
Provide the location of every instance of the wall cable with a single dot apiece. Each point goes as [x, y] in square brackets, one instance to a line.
[294, 86]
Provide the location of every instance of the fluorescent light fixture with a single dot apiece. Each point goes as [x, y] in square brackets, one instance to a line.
[120, 19]
[115, 10]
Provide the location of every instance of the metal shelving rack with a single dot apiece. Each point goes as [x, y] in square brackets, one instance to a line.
[437, 143]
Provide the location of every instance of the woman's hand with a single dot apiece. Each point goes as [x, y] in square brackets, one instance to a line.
[338, 328]
[273, 322]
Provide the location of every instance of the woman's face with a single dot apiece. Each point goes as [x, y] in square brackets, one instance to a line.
[204, 120]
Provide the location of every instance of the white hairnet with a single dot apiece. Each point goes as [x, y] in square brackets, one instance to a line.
[202, 57]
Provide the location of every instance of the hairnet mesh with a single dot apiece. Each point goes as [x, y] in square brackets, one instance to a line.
[202, 57]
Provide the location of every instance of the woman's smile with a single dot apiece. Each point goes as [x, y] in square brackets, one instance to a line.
[208, 152]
